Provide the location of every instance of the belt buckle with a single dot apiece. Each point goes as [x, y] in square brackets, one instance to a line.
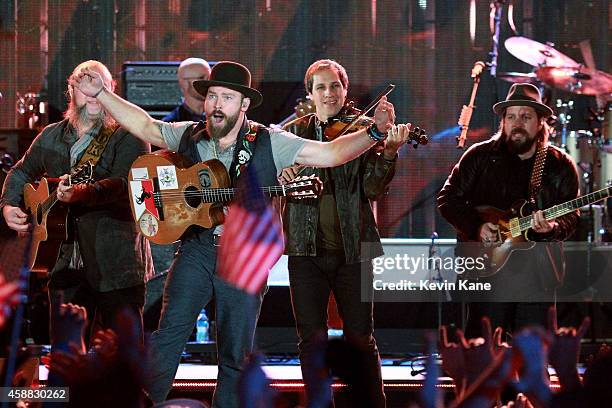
[216, 239]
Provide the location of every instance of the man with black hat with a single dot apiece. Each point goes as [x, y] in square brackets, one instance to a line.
[229, 137]
[499, 172]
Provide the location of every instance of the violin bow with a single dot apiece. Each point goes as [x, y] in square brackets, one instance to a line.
[367, 109]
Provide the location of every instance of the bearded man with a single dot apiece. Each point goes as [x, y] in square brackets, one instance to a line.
[228, 136]
[102, 266]
[499, 172]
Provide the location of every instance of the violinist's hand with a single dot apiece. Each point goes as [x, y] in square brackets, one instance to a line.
[289, 173]
[384, 115]
[396, 137]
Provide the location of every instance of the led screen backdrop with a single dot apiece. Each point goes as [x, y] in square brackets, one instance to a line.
[426, 48]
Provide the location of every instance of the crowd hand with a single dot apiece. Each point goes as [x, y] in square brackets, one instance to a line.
[71, 193]
[69, 326]
[290, 173]
[540, 224]
[105, 344]
[254, 386]
[488, 232]
[74, 367]
[9, 297]
[396, 137]
[564, 350]
[430, 394]
[384, 115]
[521, 401]
[530, 356]
[16, 219]
[87, 81]
[466, 360]
[485, 391]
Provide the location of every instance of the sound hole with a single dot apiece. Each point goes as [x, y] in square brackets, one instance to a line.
[39, 215]
[192, 196]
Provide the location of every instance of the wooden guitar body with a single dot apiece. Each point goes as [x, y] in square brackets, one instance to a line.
[496, 254]
[49, 228]
[180, 207]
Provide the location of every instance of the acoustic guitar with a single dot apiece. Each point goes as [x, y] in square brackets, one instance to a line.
[512, 233]
[49, 217]
[167, 195]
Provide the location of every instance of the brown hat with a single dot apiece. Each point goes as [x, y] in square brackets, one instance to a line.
[230, 75]
[523, 95]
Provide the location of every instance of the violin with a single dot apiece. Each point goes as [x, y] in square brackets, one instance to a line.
[349, 118]
[353, 119]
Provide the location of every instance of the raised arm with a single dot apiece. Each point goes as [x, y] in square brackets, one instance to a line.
[131, 117]
[347, 147]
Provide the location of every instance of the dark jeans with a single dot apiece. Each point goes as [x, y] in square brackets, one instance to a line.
[191, 285]
[311, 280]
[70, 286]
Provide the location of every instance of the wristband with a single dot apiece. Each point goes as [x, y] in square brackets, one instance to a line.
[99, 92]
[376, 134]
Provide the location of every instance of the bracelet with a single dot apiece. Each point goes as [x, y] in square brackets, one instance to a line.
[375, 134]
[99, 92]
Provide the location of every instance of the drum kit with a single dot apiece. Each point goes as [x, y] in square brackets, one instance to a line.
[591, 149]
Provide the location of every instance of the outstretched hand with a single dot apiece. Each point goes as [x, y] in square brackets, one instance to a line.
[466, 360]
[564, 349]
[68, 326]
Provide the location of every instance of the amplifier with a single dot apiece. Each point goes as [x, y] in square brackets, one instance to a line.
[151, 84]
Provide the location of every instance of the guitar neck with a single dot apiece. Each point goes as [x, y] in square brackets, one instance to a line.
[568, 207]
[224, 195]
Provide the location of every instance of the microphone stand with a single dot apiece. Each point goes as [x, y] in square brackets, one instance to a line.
[435, 273]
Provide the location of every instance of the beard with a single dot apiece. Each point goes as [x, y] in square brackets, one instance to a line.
[79, 117]
[519, 146]
[217, 132]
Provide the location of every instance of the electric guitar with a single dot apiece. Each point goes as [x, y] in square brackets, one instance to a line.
[49, 217]
[512, 233]
[167, 195]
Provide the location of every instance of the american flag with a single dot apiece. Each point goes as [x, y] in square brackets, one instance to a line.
[252, 239]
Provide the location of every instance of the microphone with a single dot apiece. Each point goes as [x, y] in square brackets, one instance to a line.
[477, 69]
[432, 249]
[466, 112]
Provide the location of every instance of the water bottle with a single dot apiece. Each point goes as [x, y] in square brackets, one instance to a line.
[202, 327]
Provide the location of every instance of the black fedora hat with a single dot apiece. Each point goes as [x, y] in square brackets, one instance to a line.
[523, 95]
[230, 75]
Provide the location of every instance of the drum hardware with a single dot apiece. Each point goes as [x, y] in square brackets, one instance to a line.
[563, 119]
[519, 77]
[579, 80]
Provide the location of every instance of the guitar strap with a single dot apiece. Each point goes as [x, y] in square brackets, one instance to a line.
[96, 146]
[538, 170]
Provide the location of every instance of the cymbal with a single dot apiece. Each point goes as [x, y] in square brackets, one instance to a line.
[579, 80]
[518, 77]
[537, 54]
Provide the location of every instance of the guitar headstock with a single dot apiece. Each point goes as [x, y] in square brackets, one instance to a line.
[304, 187]
[417, 136]
[304, 107]
[82, 174]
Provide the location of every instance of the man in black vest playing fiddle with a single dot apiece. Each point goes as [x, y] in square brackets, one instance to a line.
[228, 136]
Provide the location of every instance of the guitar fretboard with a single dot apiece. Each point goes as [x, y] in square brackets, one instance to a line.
[567, 207]
[212, 195]
[219, 195]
